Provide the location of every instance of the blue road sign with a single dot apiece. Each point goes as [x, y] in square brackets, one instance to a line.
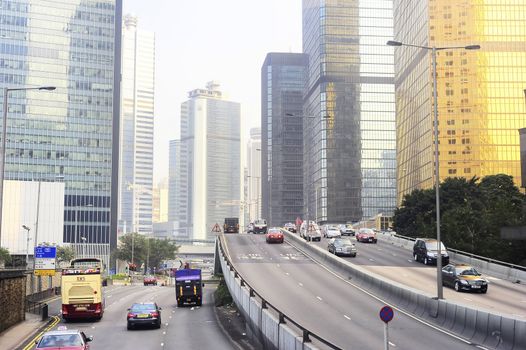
[45, 252]
[386, 314]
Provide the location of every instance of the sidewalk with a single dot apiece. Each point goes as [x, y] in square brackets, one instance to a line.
[16, 335]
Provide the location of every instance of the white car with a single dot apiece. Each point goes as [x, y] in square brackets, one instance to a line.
[313, 232]
[331, 231]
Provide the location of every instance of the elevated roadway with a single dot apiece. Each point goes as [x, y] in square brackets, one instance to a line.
[325, 303]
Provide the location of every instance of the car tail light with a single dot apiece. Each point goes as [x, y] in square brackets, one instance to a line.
[130, 315]
[154, 314]
[98, 308]
[64, 309]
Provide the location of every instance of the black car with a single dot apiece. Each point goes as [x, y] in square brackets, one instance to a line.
[341, 246]
[464, 277]
[426, 251]
[144, 314]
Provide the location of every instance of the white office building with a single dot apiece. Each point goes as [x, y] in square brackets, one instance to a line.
[137, 124]
[210, 160]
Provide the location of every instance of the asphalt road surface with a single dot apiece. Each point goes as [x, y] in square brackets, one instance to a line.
[397, 264]
[182, 328]
[326, 304]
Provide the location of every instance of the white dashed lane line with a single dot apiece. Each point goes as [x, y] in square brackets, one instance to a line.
[347, 317]
[392, 344]
[300, 284]
[319, 298]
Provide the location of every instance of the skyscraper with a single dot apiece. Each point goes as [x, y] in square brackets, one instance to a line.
[253, 201]
[480, 93]
[137, 128]
[178, 190]
[349, 123]
[70, 133]
[210, 160]
[282, 83]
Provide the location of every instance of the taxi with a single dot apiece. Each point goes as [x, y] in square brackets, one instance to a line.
[64, 339]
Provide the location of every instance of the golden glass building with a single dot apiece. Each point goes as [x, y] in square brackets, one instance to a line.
[480, 93]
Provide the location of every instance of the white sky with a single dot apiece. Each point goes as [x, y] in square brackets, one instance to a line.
[202, 40]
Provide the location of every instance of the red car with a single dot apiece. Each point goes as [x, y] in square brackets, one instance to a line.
[366, 235]
[150, 280]
[64, 339]
[274, 235]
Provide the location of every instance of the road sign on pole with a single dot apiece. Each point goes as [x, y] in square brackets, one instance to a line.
[386, 315]
[45, 260]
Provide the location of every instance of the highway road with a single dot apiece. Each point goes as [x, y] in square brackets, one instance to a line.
[397, 264]
[182, 328]
[326, 304]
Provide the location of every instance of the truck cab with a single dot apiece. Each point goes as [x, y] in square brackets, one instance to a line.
[231, 225]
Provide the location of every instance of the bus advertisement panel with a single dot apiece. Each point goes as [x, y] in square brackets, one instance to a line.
[81, 286]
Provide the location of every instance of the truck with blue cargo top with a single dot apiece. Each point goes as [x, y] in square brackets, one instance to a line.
[188, 287]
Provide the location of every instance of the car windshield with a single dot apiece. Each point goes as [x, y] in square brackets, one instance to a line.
[260, 222]
[142, 307]
[274, 231]
[434, 246]
[332, 228]
[342, 242]
[60, 340]
[467, 271]
[367, 231]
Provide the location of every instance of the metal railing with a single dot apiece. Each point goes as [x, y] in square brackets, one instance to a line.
[306, 334]
[471, 255]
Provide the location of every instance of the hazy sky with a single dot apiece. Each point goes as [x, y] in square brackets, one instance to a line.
[202, 40]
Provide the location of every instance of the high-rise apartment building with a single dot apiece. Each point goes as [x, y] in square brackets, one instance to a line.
[137, 128]
[480, 93]
[282, 119]
[70, 134]
[349, 123]
[253, 177]
[209, 181]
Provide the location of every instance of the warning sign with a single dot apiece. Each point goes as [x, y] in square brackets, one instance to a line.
[216, 228]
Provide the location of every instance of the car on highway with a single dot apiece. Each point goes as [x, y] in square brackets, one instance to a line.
[426, 251]
[342, 246]
[260, 226]
[289, 226]
[150, 280]
[310, 233]
[330, 231]
[62, 338]
[144, 314]
[366, 235]
[346, 230]
[250, 228]
[464, 277]
[274, 235]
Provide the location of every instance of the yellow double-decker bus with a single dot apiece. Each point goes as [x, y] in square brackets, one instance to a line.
[81, 286]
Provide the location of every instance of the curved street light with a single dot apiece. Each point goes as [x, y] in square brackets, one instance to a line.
[434, 50]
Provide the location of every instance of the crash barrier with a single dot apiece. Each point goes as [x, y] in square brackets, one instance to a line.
[497, 268]
[478, 326]
[273, 328]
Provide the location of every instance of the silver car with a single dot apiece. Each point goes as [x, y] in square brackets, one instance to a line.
[312, 233]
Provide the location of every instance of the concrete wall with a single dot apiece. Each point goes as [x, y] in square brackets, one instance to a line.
[35, 284]
[12, 298]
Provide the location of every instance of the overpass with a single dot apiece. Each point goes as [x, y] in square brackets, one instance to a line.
[298, 296]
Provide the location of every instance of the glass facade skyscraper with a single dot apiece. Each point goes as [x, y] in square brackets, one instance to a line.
[349, 124]
[209, 175]
[282, 82]
[480, 93]
[137, 128]
[68, 134]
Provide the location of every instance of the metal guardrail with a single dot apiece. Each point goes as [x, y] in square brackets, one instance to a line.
[307, 334]
[471, 255]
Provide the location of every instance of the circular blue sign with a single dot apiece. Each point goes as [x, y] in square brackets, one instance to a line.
[386, 314]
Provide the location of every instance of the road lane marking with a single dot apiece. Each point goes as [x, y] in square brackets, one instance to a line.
[300, 284]
[392, 344]
[411, 260]
[347, 317]
[320, 299]
[468, 299]
[278, 265]
[53, 324]
[164, 332]
[286, 273]
[162, 344]
[370, 259]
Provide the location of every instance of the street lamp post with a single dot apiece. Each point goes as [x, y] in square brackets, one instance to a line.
[83, 245]
[434, 50]
[4, 132]
[27, 244]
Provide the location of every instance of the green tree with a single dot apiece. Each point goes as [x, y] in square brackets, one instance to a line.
[152, 250]
[5, 257]
[65, 254]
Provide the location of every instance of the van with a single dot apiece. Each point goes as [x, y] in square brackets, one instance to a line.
[313, 232]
